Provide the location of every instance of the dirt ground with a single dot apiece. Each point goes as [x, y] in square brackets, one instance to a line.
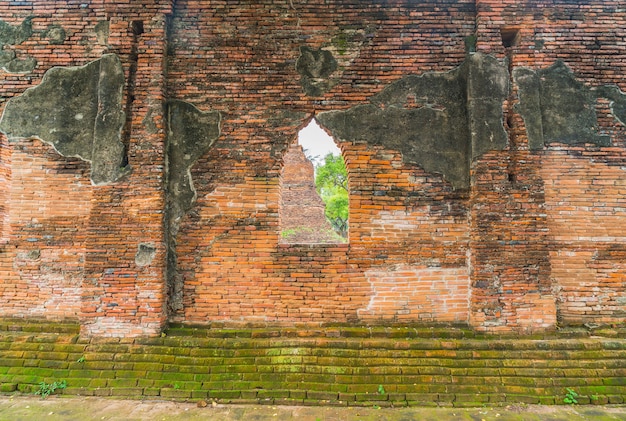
[22, 407]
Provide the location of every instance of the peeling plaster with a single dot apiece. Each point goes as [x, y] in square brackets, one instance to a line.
[77, 110]
[556, 107]
[439, 121]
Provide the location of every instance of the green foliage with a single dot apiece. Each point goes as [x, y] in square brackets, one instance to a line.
[570, 397]
[331, 181]
[381, 389]
[46, 389]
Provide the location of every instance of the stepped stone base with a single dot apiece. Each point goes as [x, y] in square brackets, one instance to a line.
[332, 365]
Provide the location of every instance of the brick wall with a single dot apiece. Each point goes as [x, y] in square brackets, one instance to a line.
[530, 243]
[44, 257]
[87, 236]
[585, 200]
[237, 183]
[556, 205]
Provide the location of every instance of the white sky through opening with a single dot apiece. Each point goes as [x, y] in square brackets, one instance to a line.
[316, 143]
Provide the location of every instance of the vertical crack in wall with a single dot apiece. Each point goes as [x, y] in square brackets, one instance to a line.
[191, 133]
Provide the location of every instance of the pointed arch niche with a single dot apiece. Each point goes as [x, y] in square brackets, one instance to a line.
[303, 215]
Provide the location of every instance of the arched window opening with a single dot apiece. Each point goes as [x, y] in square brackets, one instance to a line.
[314, 190]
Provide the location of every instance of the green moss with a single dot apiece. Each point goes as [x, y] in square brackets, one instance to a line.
[8, 387]
[79, 383]
[11, 362]
[615, 381]
[151, 391]
[181, 377]
[224, 394]
[275, 393]
[27, 388]
[354, 361]
[127, 391]
[98, 365]
[340, 42]
[121, 382]
[175, 393]
[148, 367]
[120, 366]
[130, 374]
[288, 369]
[97, 383]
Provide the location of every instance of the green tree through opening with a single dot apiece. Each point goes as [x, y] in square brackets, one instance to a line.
[331, 182]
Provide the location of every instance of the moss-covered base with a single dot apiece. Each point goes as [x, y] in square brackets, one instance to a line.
[358, 366]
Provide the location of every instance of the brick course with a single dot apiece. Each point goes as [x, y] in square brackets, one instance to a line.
[533, 242]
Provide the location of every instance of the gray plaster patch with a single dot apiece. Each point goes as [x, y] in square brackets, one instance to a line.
[20, 65]
[315, 68]
[6, 56]
[145, 254]
[56, 34]
[487, 88]
[78, 110]
[102, 32]
[148, 121]
[14, 35]
[191, 133]
[557, 108]
[617, 100]
[34, 254]
[439, 121]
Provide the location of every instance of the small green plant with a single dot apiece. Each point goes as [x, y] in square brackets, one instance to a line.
[381, 389]
[570, 397]
[46, 389]
[81, 359]
[291, 232]
[341, 43]
[176, 386]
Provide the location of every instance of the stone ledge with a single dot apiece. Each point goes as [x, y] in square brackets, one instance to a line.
[349, 369]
